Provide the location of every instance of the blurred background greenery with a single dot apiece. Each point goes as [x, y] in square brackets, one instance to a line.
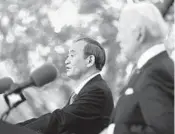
[33, 32]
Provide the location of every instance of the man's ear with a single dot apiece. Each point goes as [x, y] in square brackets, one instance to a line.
[90, 60]
[140, 34]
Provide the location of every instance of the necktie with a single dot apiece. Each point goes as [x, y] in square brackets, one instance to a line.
[72, 98]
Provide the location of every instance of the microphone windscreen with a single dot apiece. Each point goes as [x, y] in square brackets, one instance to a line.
[5, 84]
[44, 74]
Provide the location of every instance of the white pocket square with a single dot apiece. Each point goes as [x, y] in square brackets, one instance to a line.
[129, 91]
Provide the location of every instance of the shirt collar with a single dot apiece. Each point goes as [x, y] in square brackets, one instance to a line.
[150, 53]
[77, 90]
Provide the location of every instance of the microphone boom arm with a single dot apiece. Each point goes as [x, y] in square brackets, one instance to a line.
[6, 114]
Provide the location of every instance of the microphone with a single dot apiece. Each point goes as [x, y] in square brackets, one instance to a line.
[5, 84]
[39, 77]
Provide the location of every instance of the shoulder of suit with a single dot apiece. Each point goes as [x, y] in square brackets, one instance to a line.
[99, 84]
[159, 63]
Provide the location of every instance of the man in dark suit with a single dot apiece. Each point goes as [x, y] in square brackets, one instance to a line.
[90, 110]
[146, 104]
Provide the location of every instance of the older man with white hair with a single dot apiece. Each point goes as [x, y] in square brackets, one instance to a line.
[146, 102]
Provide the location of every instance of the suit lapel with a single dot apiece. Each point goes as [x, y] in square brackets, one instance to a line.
[93, 80]
[138, 72]
[131, 82]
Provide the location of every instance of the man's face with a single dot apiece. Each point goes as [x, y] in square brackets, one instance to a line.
[127, 35]
[76, 63]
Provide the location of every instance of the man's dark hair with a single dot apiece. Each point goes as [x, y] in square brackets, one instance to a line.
[94, 48]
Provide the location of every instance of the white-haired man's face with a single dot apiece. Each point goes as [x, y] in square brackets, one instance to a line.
[128, 35]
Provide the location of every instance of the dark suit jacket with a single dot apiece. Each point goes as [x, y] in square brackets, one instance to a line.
[88, 114]
[6, 128]
[149, 110]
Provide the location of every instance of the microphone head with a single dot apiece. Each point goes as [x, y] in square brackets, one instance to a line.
[5, 84]
[44, 74]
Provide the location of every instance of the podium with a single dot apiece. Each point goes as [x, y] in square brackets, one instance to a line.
[6, 128]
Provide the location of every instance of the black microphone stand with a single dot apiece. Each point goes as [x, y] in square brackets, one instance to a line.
[6, 113]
